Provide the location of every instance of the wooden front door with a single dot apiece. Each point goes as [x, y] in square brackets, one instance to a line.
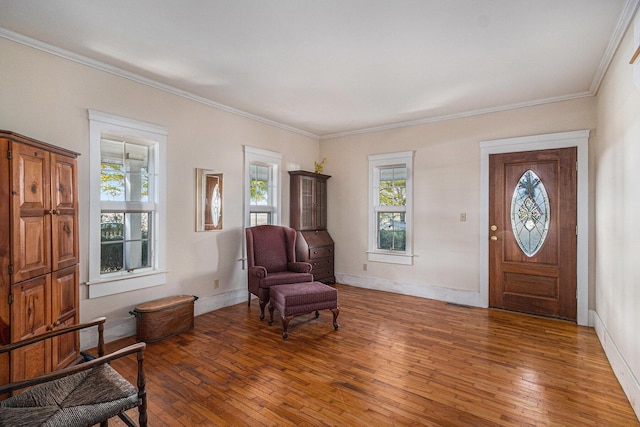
[533, 219]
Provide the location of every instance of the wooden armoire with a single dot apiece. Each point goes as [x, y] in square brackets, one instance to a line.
[308, 215]
[38, 254]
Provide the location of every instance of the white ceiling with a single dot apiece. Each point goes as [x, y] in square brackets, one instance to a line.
[328, 67]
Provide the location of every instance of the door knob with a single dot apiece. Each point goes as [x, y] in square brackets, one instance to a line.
[494, 237]
[494, 227]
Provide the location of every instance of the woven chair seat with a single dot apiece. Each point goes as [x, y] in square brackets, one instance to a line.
[82, 399]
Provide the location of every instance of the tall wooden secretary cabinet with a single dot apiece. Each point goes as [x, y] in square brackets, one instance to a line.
[38, 254]
[308, 215]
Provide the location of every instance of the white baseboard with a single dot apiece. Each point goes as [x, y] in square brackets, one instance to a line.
[621, 369]
[126, 327]
[413, 289]
[218, 301]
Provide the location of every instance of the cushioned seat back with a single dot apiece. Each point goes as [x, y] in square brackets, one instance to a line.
[271, 246]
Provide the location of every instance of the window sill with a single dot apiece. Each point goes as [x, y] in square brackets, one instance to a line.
[125, 283]
[390, 258]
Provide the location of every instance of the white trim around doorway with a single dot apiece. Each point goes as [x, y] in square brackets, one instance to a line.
[579, 139]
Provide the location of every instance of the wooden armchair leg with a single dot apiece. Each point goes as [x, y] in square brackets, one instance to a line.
[142, 391]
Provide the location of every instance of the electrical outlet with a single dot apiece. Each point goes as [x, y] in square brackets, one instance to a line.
[364, 267]
[216, 284]
[463, 217]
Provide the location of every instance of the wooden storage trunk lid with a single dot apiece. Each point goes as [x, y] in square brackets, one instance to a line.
[164, 303]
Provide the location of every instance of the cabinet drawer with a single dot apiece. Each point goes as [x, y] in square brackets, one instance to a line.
[321, 252]
[322, 263]
[322, 273]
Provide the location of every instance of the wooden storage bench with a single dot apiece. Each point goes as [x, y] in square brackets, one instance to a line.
[164, 318]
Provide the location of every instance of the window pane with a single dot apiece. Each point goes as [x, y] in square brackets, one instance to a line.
[136, 157]
[259, 177]
[259, 218]
[112, 242]
[530, 213]
[138, 186]
[125, 241]
[393, 186]
[124, 171]
[111, 257]
[392, 231]
[111, 182]
[111, 226]
[137, 167]
[137, 254]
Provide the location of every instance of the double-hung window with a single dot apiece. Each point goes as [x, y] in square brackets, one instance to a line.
[127, 208]
[390, 208]
[262, 190]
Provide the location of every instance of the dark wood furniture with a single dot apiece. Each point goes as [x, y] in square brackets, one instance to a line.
[308, 216]
[38, 255]
[163, 318]
[84, 394]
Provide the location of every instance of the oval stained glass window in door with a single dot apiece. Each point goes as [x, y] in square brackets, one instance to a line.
[530, 213]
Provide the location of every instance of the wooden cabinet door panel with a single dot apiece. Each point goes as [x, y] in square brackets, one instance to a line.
[5, 259]
[319, 205]
[30, 361]
[308, 200]
[306, 203]
[32, 256]
[64, 240]
[64, 312]
[64, 227]
[30, 316]
[31, 208]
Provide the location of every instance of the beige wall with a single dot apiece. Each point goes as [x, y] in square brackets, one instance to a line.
[616, 161]
[46, 97]
[446, 184]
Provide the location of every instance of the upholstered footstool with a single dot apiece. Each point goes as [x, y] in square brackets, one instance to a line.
[301, 298]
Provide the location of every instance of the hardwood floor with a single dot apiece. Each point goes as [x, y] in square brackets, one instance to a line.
[396, 360]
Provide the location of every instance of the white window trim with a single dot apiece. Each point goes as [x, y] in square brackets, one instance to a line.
[106, 124]
[376, 162]
[266, 157]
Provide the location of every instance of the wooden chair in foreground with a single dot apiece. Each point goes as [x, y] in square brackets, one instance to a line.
[81, 395]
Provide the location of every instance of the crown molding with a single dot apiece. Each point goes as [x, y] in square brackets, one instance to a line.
[470, 113]
[622, 25]
[630, 8]
[63, 53]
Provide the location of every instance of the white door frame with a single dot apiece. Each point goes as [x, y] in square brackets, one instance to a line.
[579, 139]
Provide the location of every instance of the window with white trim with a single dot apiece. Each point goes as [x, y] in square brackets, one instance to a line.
[390, 208]
[127, 206]
[262, 189]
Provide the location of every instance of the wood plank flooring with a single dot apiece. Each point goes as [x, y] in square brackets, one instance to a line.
[396, 360]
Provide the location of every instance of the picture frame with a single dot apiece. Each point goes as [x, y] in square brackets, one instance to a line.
[209, 200]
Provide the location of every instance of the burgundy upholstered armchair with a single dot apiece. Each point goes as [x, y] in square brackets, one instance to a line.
[271, 254]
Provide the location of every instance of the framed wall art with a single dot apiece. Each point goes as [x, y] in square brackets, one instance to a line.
[208, 200]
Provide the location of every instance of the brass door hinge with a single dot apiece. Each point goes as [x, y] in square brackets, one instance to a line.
[9, 155]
